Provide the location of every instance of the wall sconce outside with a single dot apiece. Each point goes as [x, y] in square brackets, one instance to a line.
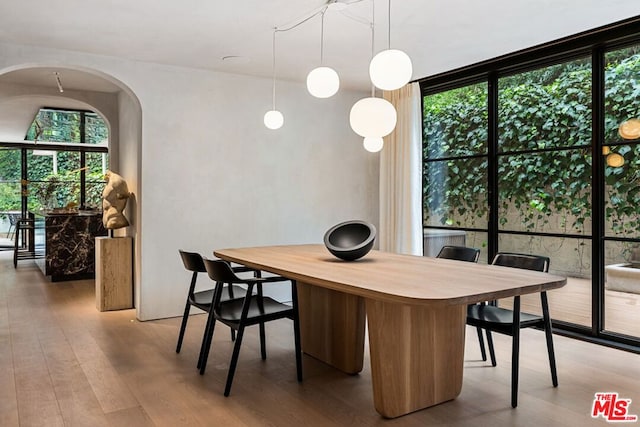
[630, 129]
[615, 160]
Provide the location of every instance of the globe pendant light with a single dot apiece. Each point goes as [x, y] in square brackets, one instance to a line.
[390, 69]
[323, 82]
[373, 144]
[273, 119]
[373, 117]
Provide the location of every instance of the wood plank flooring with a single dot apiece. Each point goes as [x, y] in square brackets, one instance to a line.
[63, 363]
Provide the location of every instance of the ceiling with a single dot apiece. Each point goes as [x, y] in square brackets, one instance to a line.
[438, 35]
[69, 79]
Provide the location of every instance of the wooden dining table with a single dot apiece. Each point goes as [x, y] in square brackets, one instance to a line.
[415, 308]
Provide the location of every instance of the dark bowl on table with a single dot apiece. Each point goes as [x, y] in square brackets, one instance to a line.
[350, 240]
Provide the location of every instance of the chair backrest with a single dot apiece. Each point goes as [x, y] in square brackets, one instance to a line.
[460, 253]
[192, 261]
[220, 271]
[524, 261]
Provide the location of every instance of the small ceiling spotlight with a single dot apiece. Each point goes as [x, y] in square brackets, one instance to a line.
[336, 5]
[58, 82]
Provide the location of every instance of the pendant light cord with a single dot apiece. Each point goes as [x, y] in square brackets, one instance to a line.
[289, 28]
[273, 95]
[322, 37]
[373, 36]
[389, 26]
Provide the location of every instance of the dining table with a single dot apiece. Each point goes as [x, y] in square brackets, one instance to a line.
[415, 308]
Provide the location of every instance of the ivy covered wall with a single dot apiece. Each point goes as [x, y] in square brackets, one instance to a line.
[544, 153]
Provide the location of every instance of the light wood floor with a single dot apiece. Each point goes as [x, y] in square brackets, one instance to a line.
[64, 363]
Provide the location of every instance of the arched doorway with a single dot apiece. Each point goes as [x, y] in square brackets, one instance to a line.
[26, 88]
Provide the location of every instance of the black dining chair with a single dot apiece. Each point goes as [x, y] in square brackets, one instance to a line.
[203, 299]
[492, 318]
[459, 253]
[253, 309]
[463, 253]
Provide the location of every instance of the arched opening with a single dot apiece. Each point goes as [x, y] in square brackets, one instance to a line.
[27, 88]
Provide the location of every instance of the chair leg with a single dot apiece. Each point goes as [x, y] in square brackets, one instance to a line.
[183, 326]
[515, 352]
[263, 347]
[296, 329]
[549, 335]
[481, 342]
[231, 296]
[234, 360]
[15, 248]
[206, 342]
[492, 351]
[236, 348]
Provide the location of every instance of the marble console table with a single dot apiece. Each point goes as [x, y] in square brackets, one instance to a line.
[68, 242]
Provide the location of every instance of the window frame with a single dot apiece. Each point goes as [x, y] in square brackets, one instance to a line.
[594, 44]
[80, 146]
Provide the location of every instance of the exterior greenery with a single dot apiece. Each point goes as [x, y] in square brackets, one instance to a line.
[46, 186]
[544, 150]
[66, 126]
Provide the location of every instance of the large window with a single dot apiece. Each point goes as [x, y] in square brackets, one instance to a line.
[10, 189]
[63, 169]
[621, 151]
[455, 167]
[55, 125]
[527, 154]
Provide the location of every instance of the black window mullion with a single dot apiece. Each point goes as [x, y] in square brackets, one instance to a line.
[83, 162]
[597, 195]
[24, 183]
[492, 151]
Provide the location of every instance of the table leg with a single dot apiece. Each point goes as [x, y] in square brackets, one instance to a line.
[417, 355]
[332, 327]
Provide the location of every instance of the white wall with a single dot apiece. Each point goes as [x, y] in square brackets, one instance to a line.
[212, 176]
[128, 165]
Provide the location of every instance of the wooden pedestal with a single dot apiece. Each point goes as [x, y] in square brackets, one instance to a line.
[114, 278]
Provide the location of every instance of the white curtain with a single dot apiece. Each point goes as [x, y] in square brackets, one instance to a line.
[401, 176]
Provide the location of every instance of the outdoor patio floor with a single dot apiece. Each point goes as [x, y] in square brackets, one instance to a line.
[572, 303]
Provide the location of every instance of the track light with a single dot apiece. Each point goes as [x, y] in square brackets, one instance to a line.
[58, 82]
